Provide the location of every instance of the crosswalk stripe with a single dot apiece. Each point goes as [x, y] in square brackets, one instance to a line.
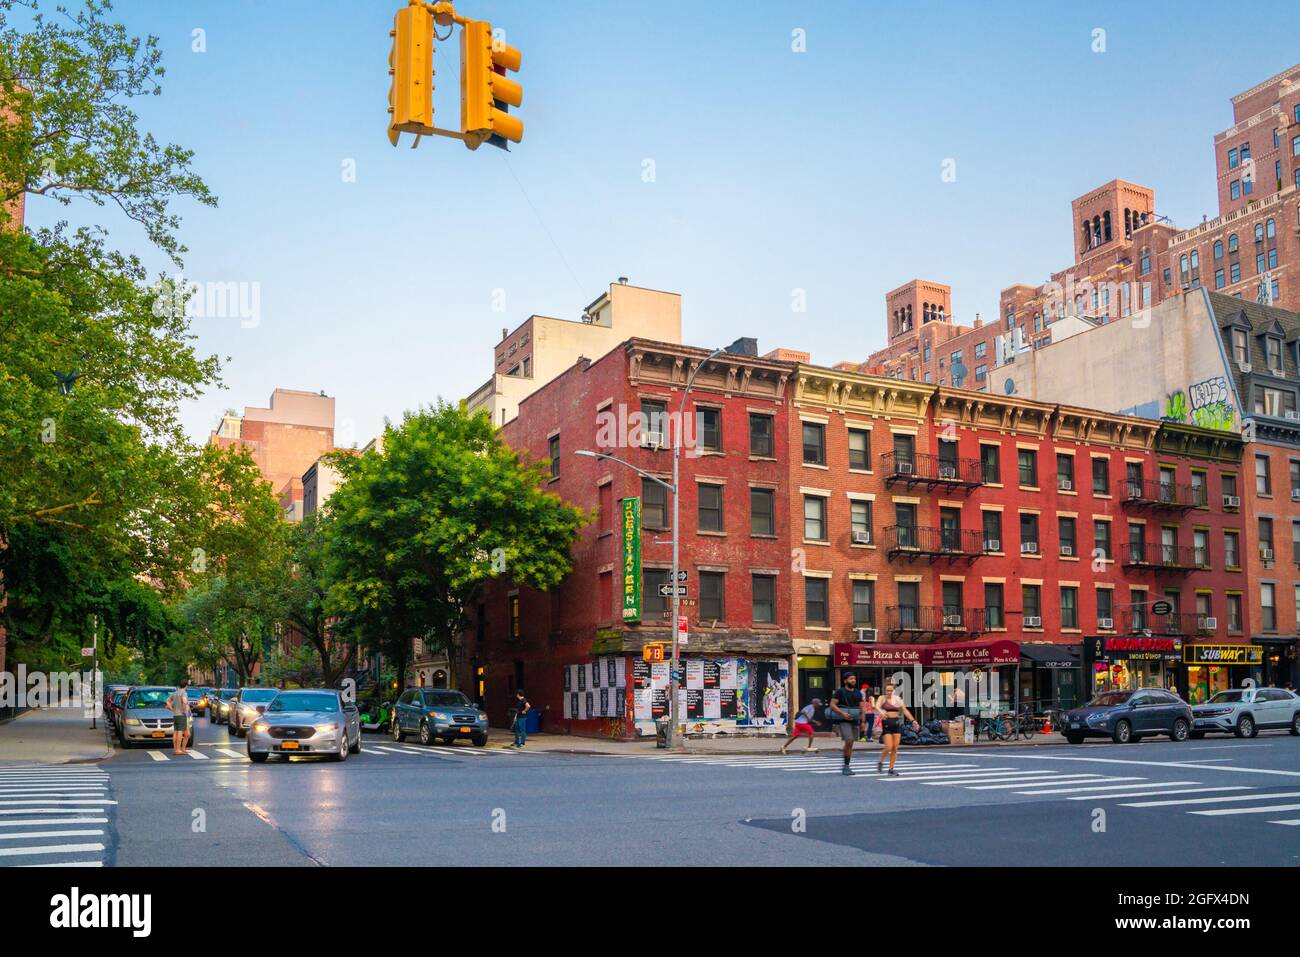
[1138, 794]
[1221, 811]
[32, 834]
[377, 749]
[56, 801]
[1107, 787]
[1292, 823]
[1025, 778]
[21, 782]
[197, 755]
[55, 820]
[49, 849]
[52, 791]
[68, 864]
[54, 810]
[157, 755]
[1064, 779]
[229, 752]
[1216, 800]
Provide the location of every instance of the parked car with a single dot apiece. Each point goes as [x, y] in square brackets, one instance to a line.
[375, 715]
[219, 705]
[115, 704]
[109, 691]
[145, 717]
[1246, 711]
[317, 722]
[1125, 716]
[438, 713]
[246, 706]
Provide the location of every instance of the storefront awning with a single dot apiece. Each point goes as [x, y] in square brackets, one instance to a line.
[961, 654]
[1050, 656]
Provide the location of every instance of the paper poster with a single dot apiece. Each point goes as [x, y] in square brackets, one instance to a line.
[695, 674]
[728, 673]
[712, 704]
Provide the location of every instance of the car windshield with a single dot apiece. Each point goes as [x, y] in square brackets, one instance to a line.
[305, 701]
[446, 699]
[1109, 699]
[1226, 697]
[260, 694]
[228, 693]
[149, 698]
[118, 696]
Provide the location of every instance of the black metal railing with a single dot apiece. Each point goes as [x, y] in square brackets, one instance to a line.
[931, 469]
[934, 620]
[917, 541]
[1160, 557]
[1181, 624]
[1156, 494]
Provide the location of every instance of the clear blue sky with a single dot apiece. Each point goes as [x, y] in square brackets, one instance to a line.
[775, 170]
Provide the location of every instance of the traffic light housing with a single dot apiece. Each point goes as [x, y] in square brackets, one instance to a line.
[410, 96]
[486, 93]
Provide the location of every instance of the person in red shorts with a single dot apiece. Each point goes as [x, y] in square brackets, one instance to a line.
[803, 724]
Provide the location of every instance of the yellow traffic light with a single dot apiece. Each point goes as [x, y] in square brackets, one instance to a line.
[485, 92]
[410, 97]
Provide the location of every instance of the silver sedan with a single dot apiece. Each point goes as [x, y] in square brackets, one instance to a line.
[313, 723]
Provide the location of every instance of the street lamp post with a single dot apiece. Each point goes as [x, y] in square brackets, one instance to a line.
[675, 732]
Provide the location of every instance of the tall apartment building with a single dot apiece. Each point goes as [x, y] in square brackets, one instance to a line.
[542, 347]
[284, 438]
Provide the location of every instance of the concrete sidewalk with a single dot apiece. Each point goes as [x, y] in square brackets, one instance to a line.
[731, 744]
[54, 736]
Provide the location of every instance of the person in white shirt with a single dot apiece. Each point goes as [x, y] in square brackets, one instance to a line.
[803, 724]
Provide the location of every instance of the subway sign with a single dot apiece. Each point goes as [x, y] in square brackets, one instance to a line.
[1223, 654]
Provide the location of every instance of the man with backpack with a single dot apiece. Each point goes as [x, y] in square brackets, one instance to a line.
[846, 713]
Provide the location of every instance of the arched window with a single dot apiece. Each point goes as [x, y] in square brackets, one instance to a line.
[1128, 223]
[1106, 223]
[1087, 234]
[1096, 230]
[1218, 249]
[1272, 229]
[941, 313]
[1232, 242]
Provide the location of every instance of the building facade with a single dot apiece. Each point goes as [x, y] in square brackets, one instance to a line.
[284, 438]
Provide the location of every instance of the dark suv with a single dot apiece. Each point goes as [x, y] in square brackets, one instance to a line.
[434, 713]
[1125, 716]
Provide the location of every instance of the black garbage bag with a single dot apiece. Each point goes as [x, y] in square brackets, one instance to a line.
[933, 727]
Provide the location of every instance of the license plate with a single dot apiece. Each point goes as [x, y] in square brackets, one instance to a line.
[464, 730]
[1074, 724]
[159, 734]
[289, 746]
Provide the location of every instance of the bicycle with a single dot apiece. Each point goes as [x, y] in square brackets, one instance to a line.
[999, 727]
[1026, 725]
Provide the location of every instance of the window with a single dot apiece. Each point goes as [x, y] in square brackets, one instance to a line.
[1295, 542]
[1268, 606]
[952, 603]
[764, 599]
[990, 464]
[760, 435]
[981, 350]
[1234, 189]
[904, 449]
[1064, 472]
[1232, 158]
[514, 616]
[710, 431]
[814, 601]
[950, 529]
[1030, 596]
[1101, 538]
[553, 444]
[859, 449]
[1105, 606]
[1295, 146]
[814, 443]
[1270, 229]
[654, 413]
[712, 588]
[1218, 249]
[1137, 542]
[909, 604]
[1232, 242]
[1294, 466]
[654, 505]
[1265, 536]
[1069, 607]
[1232, 549]
[605, 507]
[1133, 479]
[992, 530]
[1263, 482]
[1201, 547]
[710, 517]
[814, 518]
[1218, 279]
[1101, 476]
[1233, 605]
[864, 603]
[1027, 459]
[653, 603]
[1272, 260]
[1234, 274]
[1065, 529]
[1145, 264]
[993, 610]
[860, 517]
[1138, 606]
[762, 511]
[1029, 533]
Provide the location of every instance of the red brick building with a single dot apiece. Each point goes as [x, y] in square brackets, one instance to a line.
[576, 649]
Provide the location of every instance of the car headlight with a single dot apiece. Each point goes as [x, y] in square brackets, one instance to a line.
[132, 720]
[438, 716]
[482, 716]
[260, 726]
[250, 711]
[326, 728]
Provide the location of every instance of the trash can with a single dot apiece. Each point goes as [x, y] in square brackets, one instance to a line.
[661, 731]
[533, 721]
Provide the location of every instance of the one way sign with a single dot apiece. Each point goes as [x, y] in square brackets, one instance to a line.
[667, 590]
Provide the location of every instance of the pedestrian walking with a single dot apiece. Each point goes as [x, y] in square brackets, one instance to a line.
[891, 732]
[846, 712]
[803, 724]
[870, 716]
[520, 726]
[179, 705]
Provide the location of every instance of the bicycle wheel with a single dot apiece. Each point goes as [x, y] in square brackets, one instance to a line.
[1005, 728]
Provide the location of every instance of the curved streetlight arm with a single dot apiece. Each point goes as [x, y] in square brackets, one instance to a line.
[589, 454]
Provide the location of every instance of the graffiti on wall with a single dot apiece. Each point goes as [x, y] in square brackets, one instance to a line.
[1204, 403]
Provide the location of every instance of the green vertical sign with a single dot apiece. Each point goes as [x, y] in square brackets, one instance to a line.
[631, 559]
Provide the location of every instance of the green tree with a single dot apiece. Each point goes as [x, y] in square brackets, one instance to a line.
[417, 529]
[303, 599]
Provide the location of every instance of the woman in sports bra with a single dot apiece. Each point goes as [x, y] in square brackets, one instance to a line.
[893, 711]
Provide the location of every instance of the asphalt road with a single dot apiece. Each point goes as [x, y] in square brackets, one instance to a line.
[1209, 802]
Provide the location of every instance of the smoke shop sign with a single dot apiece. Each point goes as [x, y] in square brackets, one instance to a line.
[1223, 654]
[968, 654]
